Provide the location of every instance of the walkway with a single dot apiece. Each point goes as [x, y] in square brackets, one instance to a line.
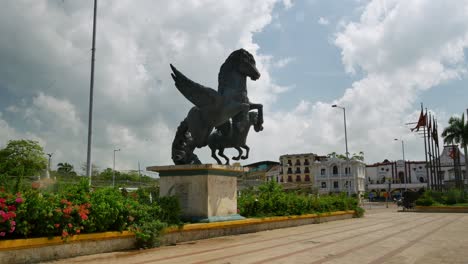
[382, 236]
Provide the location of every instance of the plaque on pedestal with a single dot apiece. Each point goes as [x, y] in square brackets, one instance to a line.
[206, 192]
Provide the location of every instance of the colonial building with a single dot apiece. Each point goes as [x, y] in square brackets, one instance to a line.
[255, 174]
[326, 174]
[412, 175]
[396, 175]
[450, 165]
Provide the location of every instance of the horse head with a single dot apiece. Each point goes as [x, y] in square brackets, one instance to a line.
[242, 61]
[253, 121]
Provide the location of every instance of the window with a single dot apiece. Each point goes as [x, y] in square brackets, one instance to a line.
[307, 178]
[289, 178]
[322, 172]
[298, 163]
[306, 162]
[306, 170]
[281, 180]
[335, 170]
[289, 170]
[347, 170]
[298, 178]
[335, 184]
[324, 185]
[298, 170]
[289, 162]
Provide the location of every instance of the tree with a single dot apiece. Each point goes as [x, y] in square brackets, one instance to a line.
[457, 132]
[65, 168]
[356, 156]
[22, 158]
[94, 169]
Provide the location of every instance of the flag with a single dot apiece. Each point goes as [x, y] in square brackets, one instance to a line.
[421, 121]
[435, 135]
[452, 153]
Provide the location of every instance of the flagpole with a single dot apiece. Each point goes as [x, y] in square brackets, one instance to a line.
[91, 88]
[434, 160]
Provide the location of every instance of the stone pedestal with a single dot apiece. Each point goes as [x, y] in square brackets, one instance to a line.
[207, 192]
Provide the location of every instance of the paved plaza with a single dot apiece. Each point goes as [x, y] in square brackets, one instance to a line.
[382, 236]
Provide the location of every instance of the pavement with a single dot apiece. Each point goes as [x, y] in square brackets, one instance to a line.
[384, 235]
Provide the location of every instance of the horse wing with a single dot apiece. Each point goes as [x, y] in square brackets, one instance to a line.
[196, 93]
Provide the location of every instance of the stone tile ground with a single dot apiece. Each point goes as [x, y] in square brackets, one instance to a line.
[382, 236]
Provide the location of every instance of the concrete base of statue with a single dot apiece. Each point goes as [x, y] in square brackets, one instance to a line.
[206, 192]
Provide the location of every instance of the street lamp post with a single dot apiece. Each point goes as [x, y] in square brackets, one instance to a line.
[403, 151]
[346, 144]
[113, 169]
[48, 170]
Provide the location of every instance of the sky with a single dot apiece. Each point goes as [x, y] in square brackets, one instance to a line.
[379, 59]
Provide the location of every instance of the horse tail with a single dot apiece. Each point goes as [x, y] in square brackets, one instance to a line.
[180, 145]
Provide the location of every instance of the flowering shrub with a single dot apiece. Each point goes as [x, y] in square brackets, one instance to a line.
[74, 210]
[8, 205]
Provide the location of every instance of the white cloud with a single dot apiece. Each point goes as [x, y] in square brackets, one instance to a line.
[281, 63]
[323, 21]
[45, 61]
[288, 4]
[402, 49]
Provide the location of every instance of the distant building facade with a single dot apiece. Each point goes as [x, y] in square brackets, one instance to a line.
[412, 175]
[326, 174]
[255, 174]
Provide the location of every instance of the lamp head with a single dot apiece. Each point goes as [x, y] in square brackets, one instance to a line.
[334, 105]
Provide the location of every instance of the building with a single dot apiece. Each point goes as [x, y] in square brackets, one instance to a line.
[340, 175]
[412, 175]
[255, 174]
[448, 165]
[326, 174]
[396, 175]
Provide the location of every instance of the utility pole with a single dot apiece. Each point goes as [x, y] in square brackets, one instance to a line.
[91, 87]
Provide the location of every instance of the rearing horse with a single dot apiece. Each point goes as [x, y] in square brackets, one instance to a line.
[215, 109]
[219, 141]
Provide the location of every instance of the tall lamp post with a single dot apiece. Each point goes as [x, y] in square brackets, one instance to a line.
[346, 144]
[48, 170]
[403, 151]
[91, 89]
[113, 169]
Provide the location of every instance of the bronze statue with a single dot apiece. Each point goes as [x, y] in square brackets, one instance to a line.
[226, 109]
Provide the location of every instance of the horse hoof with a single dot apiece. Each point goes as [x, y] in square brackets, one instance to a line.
[243, 157]
[235, 158]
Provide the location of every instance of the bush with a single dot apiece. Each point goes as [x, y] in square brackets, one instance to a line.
[74, 209]
[425, 200]
[271, 200]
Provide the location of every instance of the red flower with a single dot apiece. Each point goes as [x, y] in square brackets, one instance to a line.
[64, 233]
[70, 225]
[19, 200]
[2, 234]
[57, 225]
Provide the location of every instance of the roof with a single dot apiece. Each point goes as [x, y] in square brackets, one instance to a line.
[265, 162]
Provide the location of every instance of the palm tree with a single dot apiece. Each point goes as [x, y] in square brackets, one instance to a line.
[457, 132]
[65, 168]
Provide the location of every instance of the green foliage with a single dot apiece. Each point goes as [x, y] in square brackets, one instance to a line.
[450, 197]
[66, 169]
[22, 158]
[148, 233]
[355, 156]
[271, 200]
[425, 199]
[74, 210]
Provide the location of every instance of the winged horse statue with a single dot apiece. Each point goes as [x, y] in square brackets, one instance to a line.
[226, 109]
